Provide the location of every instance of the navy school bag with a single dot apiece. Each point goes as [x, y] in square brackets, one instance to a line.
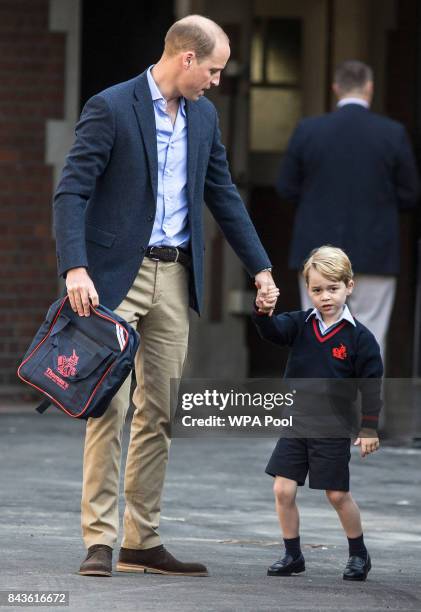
[79, 363]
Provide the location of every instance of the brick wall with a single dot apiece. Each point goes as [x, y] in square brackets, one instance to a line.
[31, 91]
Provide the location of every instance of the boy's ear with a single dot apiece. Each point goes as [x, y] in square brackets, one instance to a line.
[350, 287]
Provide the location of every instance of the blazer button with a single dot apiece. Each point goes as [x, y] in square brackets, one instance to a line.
[150, 218]
[142, 249]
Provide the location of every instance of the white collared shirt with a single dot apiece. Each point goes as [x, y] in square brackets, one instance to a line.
[352, 100]
[324, 329]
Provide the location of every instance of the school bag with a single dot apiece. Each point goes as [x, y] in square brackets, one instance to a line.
[79, 363]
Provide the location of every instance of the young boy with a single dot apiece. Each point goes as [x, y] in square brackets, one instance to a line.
[325, 342]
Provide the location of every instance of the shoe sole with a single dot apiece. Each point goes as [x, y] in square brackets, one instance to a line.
[144, 569]
[296, 571]
[358, 578]
[95, 573]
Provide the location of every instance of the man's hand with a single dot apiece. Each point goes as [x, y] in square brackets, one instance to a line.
[265, 288]
[80, 289]
[268, 303]
[369, 442]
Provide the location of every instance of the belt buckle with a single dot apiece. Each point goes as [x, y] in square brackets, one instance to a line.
[151, 253]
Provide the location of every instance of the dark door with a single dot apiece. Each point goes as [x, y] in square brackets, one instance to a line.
[120, 40]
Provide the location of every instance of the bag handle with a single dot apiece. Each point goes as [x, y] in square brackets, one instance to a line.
[43, 406]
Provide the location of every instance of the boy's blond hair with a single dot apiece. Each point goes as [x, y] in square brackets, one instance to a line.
[331, 262]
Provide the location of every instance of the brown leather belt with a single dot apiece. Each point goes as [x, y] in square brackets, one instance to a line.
[168, 253]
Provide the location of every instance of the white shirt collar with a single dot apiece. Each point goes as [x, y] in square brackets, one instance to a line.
[345, 316]
[351, 100]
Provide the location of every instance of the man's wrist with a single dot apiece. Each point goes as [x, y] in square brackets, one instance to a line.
[264, 270]
[78, 270]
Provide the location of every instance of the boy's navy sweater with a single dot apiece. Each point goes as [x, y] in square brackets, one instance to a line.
[344, 352]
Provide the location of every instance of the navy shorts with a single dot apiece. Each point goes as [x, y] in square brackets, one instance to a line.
[325, 460]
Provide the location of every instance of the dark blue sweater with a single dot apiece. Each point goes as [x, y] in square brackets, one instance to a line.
[345, 352]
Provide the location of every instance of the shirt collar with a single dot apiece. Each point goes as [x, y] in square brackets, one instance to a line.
[345, 316]
[157, 95]
[352, 100]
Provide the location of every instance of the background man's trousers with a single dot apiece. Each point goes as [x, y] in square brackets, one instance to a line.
[371, 302]
[157, 305]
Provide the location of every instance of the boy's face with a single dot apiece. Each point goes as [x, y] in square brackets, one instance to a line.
[327, 296]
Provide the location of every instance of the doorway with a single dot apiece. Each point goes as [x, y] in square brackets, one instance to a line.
[120, 40]
[288, 67]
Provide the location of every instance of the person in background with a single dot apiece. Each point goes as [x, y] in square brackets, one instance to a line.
[349, 173]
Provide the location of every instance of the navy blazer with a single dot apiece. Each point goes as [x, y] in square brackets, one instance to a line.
[349, 171]
[105, 202]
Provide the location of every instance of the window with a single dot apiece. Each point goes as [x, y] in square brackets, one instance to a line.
[275, 95]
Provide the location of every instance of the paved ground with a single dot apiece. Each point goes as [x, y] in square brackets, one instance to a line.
[217, 509]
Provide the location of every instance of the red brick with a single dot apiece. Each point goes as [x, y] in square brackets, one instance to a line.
[32, 63]
[9, 155]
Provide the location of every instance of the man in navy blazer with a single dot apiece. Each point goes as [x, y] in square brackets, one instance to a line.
[350, 172]
[128, 215]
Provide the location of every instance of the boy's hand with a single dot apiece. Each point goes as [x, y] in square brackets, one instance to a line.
[368, 440]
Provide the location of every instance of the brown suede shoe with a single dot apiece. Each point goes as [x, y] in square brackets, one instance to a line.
[156, 560]
[98, 561]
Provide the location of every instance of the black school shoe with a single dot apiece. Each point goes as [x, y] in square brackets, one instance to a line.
[357, 568]
[287, 565]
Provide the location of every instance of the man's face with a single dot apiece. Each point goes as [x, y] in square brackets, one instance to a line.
[328, 296]
[200, 76]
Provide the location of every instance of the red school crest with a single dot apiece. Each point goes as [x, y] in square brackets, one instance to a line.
[67, 365]
[340, 352]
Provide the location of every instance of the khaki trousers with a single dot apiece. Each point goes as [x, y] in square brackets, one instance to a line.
[157, 305]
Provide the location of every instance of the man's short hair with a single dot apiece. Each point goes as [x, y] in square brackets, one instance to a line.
[352, 75]
[331, 262]
[193, 33]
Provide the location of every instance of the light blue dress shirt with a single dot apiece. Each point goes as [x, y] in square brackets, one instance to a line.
[171, 220]
[345, 316]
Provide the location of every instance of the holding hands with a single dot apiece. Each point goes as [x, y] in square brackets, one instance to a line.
[267, 292]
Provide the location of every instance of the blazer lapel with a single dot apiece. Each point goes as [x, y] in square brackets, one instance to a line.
[146, 118]
[193, 140]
